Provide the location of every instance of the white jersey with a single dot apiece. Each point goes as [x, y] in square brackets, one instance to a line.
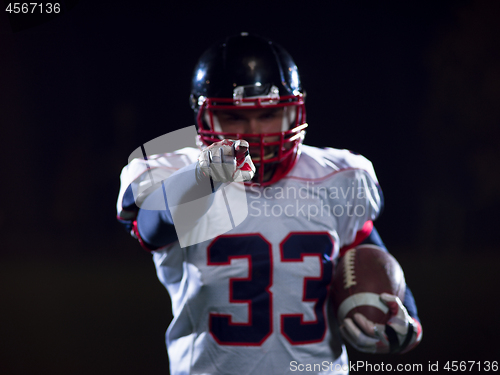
[255, 299]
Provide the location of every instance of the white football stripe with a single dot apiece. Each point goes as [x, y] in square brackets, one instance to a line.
[360, 299]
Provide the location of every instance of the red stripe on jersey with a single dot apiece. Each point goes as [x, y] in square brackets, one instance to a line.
[362, 234]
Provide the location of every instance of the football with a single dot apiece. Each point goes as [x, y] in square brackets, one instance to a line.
[362, 274]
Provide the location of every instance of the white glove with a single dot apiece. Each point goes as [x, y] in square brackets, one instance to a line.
[227, 161]
[399, 335]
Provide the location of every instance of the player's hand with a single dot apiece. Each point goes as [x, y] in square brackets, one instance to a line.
[401, 333]
[227, 161]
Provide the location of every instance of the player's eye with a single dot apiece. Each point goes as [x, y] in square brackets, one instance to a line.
[271, 115]
[231, 117]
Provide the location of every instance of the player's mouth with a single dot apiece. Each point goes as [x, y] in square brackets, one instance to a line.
[269, 153]
[267, 156]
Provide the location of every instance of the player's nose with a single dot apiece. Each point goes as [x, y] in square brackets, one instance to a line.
[253, 126]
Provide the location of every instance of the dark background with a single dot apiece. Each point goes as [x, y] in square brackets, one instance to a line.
[414, 86]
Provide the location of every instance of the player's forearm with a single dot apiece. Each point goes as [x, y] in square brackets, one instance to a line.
[156, 225]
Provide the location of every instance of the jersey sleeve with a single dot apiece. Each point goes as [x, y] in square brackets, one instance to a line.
[356, 202]
[357, 191]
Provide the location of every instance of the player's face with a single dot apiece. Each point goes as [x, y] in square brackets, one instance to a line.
[252, 121]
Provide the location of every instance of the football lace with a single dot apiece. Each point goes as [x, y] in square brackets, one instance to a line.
[349, 277]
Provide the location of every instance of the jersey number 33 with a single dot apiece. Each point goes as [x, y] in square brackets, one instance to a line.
[255, 290]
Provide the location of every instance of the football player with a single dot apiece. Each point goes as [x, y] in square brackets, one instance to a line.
[255, 298]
